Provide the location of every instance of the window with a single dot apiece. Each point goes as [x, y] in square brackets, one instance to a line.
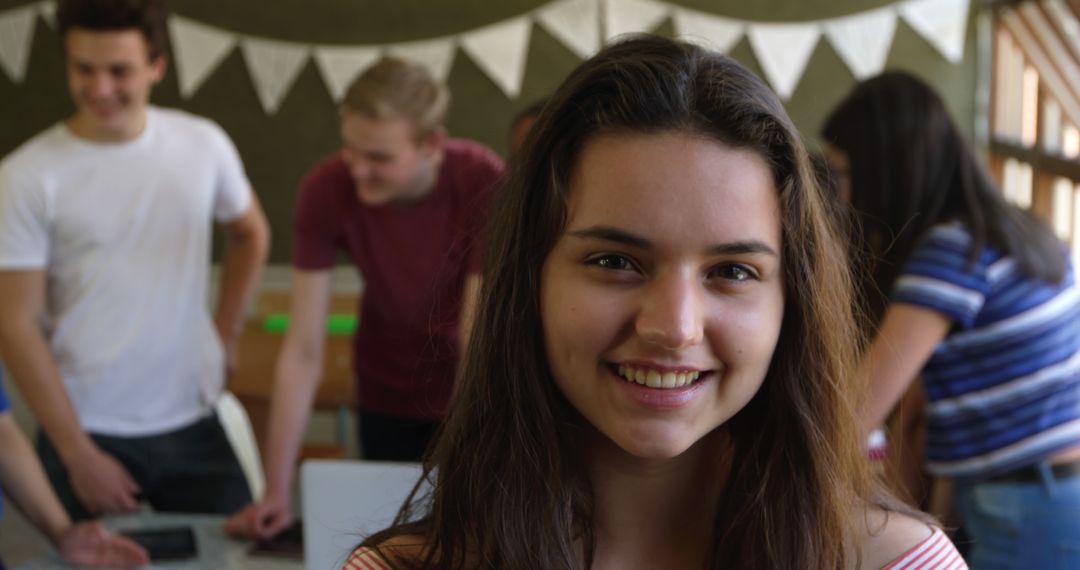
[1035, 111]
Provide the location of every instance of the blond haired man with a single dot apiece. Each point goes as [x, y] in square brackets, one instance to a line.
[407, 205]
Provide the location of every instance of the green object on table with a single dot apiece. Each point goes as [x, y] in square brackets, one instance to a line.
[336, 325]
[276, 323]
[341, 324]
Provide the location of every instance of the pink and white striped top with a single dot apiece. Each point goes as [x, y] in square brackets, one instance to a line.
[935, 553]
[365, 559]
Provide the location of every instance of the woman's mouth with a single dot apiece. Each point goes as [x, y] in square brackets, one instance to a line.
[661, 379]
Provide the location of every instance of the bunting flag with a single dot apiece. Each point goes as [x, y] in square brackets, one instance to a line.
[943, 23]
[197, 49]
[707, 30]
[274, 66]
[631, 16]
[16, 33]
[47, 9]
[437, 54]
[340, 65]
[576, 23]
[500, 51]
[783, 50]
[863, 40]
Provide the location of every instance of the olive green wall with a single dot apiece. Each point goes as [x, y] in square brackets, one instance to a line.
[278, 149]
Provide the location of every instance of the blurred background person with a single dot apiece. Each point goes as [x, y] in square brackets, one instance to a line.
[522, 123]
[978, 297]
[408, 205]
[105, 234]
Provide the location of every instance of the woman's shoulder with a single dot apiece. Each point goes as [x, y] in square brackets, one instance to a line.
[396, 549]
[896, 541]
[365, 558]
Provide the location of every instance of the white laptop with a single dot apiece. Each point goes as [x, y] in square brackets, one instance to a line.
[344, 501]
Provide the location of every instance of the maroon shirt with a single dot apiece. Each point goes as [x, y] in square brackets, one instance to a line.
[413, 259]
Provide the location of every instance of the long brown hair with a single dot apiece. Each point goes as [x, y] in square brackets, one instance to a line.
[911, 169]
[509, 490]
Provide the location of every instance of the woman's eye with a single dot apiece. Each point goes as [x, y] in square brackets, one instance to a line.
[734, 272]
[613, 262]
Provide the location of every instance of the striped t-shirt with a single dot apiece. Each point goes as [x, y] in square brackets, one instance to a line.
[936, 552]
[1004, 385]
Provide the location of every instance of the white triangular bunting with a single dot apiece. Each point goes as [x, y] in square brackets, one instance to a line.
[863, 40]
[16, 32]
[574, 23]
[943, 23]
[713, 32]
[630, 16]
[437, 55]
[47, 9]
[274, 66]
[340, 65]
[198, 49]
[783, 51]
[500, 51]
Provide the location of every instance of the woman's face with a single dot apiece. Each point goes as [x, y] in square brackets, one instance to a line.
[662, 300]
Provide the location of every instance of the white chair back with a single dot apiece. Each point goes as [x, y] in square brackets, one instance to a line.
[344, 501]
[234, 420]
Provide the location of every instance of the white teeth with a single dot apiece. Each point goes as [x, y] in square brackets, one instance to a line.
[656, 379]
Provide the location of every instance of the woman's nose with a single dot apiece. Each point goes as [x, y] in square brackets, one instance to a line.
[671, 314]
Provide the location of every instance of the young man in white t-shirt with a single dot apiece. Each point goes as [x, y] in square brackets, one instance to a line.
[105, 225]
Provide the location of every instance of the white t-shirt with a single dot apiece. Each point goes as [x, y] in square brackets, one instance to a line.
[123, 232]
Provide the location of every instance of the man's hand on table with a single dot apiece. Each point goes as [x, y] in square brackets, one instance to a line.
[89, 544]
[260, 520]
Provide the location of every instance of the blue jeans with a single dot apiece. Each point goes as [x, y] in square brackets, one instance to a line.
[1026, 525]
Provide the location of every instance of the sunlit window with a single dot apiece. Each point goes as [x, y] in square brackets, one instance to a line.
[1035, 112]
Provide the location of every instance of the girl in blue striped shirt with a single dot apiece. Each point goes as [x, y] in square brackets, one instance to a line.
[983, 305]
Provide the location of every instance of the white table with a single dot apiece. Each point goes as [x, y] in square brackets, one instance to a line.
[216, 550]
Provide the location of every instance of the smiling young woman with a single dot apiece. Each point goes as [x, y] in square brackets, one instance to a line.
[661, 370]
[681, 288]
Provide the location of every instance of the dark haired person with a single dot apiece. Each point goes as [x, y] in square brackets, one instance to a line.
[661, 371]
[105, 225]
[522, 123]
[983, 306]
[408, 205]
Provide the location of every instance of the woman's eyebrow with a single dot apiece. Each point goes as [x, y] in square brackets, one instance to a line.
[742, 247]
[610, 233]
[617, 235]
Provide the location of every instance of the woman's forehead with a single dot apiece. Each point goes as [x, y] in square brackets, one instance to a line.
[674, 179]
